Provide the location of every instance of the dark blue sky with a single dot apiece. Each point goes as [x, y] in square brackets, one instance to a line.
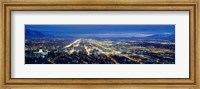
[103, 30]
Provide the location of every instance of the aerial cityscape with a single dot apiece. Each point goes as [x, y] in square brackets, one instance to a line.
[99, 44]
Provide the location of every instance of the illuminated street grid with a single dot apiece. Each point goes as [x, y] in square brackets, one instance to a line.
[98, 51]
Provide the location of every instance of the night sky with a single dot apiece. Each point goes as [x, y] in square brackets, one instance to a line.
[103, 30]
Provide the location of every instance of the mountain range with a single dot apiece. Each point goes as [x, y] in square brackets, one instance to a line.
[37, 34]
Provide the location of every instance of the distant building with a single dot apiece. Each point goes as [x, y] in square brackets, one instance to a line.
[71, 51]
[41, 52]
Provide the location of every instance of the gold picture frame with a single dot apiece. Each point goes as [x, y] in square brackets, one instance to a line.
[99, 5]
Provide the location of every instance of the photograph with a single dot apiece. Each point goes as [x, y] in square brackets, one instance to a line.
[99, 44]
